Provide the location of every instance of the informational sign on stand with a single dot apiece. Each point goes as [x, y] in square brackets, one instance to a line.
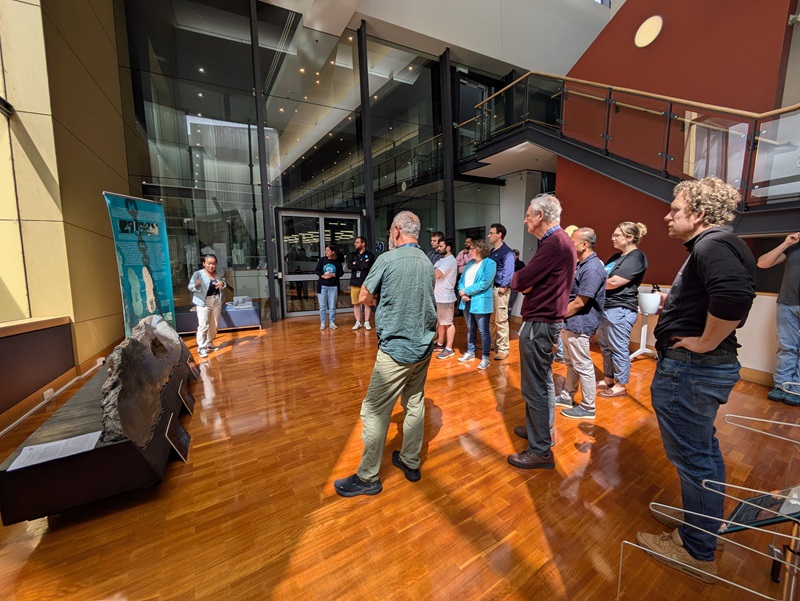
[178, 437]
[186, 398]
[145, 275]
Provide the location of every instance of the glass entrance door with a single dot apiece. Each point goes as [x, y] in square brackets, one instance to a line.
[302, 238]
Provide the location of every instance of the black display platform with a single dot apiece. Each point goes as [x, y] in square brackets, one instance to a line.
[108, 469]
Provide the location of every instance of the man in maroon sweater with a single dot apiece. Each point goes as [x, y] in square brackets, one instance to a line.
[546, 282]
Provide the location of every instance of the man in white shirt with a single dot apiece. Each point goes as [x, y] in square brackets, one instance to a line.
[446, 272]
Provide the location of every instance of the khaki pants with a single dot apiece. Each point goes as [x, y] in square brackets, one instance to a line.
[389, 380]
[580, 369]
[498, 323]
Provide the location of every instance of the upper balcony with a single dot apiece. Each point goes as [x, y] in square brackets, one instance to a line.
[647, 141]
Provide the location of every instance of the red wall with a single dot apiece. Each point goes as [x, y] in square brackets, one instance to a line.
[725, 52]
[730, 53]
[592, 200]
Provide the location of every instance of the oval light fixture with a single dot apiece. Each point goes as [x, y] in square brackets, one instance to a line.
[648, 31]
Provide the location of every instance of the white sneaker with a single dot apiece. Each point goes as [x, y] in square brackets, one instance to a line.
[357, 326]
[484, 363]
[322, 326]
[367, 326]
[333, 326]
[466, 357]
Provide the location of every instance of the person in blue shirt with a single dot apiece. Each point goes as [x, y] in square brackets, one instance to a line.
[584, 312]
[504, 257]
[475, 290]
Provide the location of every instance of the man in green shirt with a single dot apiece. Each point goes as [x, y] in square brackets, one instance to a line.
[405, 322]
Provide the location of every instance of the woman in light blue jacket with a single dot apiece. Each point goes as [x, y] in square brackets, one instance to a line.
[206, 290]
[475, 290]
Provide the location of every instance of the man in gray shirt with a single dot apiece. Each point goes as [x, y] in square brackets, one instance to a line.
[405, 322]
[787, 364]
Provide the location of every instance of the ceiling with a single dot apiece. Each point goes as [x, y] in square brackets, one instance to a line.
[522, 157]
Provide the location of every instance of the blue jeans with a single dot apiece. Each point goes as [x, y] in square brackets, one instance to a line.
[477, 321]
[787, 365]
[686, 398]
[327, 303]
[614, 336]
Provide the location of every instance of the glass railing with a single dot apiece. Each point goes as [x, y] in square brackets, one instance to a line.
[757, 154]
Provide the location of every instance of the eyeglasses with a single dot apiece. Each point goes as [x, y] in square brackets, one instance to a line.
[617, 236]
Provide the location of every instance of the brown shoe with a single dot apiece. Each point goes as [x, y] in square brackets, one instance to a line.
[500, 355]
[667, 548]
[672, 518]
[521, 431]
[531, 461]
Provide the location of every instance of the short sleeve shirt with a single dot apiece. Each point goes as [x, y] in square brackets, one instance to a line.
[445, 290]
[405, 321]
[590, 281]
[630, 267]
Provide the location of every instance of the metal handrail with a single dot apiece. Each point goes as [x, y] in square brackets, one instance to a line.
[680, 111]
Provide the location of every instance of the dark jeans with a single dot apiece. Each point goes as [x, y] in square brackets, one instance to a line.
[686, 397]
[536, 341]
[477, 321]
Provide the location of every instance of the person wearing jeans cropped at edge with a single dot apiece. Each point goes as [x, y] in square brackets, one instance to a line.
[787, 312]
[206, 290]
[475, 290]
[625, 271]
[698, 367]
[329, 269]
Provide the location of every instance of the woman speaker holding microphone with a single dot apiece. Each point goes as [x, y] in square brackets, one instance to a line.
[207, 297]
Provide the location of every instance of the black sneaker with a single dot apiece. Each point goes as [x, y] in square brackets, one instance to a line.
[352, 486]
[412, 475]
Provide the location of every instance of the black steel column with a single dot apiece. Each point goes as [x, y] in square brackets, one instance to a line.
[266, 211]
[448, 145]
[366, 134]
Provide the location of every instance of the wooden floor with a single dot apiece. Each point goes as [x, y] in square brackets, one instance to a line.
[253, 514]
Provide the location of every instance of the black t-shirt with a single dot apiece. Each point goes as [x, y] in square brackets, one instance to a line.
[631, 267]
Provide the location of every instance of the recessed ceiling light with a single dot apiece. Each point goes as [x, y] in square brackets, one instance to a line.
[305, 97]
[333, 63]
[318, 82]
[201, 70]
[199, 94]
[302, 70]
[280, 110]
[411, 68]
[349, 38]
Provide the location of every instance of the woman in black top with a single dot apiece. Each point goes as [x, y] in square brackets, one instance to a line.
[329, 269]
[625, 271]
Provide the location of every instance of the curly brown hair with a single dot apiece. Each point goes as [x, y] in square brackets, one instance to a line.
[712, 197]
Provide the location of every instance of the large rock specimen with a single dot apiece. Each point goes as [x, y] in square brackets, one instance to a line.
[138, 370]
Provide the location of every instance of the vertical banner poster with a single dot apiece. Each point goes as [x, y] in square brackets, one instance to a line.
[145, 276]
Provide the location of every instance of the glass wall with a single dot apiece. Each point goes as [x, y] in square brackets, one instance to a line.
[196, 145]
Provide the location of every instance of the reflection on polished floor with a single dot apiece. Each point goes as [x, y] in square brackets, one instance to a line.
[253, 514]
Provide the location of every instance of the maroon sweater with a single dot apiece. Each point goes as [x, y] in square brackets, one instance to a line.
[549, 274]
